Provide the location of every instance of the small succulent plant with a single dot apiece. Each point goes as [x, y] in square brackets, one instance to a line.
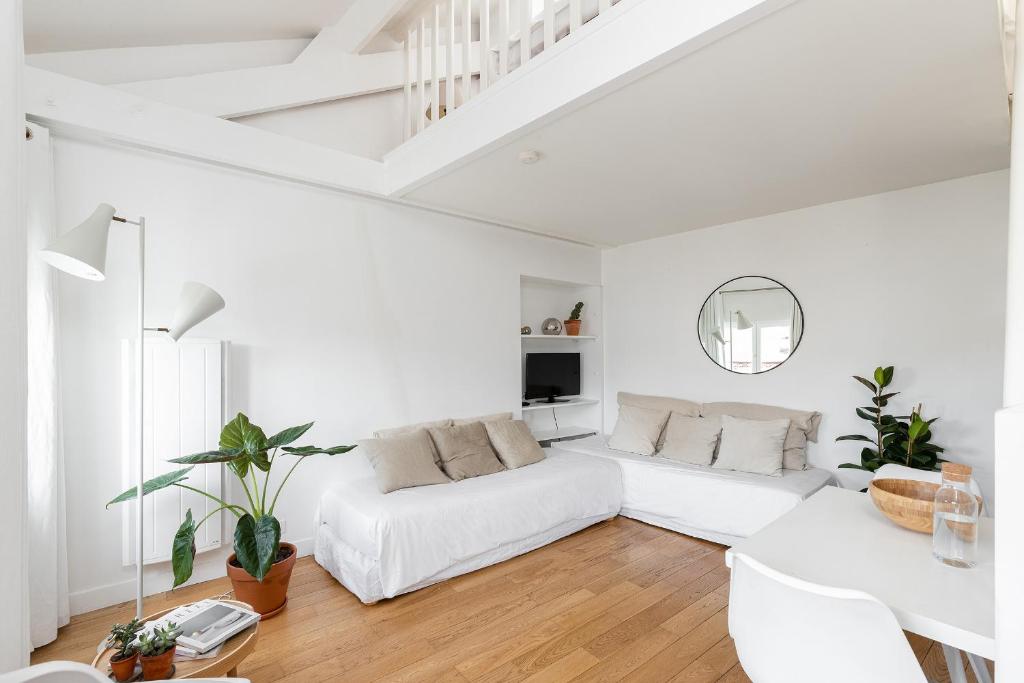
[577, 309]
[163, 639]
[122, 637]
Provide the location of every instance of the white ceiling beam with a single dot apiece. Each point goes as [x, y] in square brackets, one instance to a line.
[93, 111]
[230, 94]
[360, 24]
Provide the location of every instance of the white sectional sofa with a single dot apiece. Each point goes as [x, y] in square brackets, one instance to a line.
[380, 545]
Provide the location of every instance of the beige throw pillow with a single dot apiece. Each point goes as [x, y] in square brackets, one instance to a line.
[409, 429]
[403, 461]
[666, 403]
[515, 444]
[803, 426]
[753, 446]
[691, 439]
[465, 451]
[496, 417]
[637, 430]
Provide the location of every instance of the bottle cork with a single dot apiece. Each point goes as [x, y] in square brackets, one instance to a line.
[956, 472]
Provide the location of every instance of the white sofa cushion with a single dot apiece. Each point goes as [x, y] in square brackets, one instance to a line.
[753, 446]
[691, 439]
[803, 426]
[638, 430]
[515, 444]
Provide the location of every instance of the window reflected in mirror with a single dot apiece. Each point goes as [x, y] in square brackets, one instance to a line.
[750, 325]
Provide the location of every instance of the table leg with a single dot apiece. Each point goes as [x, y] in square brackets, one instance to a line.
[233, 672]
[981, 672]
[954, 664]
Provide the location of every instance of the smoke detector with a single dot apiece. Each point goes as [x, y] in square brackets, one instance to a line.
[529, 156]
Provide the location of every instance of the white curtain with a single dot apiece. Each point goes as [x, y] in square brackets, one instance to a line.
[48, 563]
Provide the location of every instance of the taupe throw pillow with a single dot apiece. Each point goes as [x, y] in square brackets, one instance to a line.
[803, 426]
[496, 417]
[403, 461]
[465, 451]
[637, 430]
[691, 439]
[753, 446]
[409, 429]
[515, 444]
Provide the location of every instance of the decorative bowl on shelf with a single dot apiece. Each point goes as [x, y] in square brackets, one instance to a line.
[907, 502]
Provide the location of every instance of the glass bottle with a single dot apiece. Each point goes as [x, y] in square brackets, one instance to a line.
[955, 524]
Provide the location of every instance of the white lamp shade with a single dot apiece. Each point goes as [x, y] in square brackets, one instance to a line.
[196, 303]
[742, 323]
[718, 336]
[82, 252]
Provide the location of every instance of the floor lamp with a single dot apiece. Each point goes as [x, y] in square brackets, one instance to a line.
[82, 252]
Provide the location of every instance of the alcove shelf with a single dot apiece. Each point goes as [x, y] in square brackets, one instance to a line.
[557, 337]
[572, 403]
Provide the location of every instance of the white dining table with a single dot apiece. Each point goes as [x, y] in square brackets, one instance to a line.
[838, 538]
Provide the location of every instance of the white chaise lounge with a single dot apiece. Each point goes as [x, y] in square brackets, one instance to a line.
[382, 545]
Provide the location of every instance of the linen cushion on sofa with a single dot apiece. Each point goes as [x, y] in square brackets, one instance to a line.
[691, 439]
[637, 430]
[409, 429]
[803, 426]
[515, 445]
[666, 403]
[496, 417]
[403, 461]
[465, 451]
[753, 446]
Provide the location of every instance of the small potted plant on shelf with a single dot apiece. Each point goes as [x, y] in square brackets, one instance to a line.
[572, 325]
[157, 652]
[261, 566]
[122, 639]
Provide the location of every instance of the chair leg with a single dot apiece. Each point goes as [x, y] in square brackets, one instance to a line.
[954, 664]
[981, 672]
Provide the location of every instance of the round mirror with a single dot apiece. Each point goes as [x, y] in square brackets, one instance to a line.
[750, 325]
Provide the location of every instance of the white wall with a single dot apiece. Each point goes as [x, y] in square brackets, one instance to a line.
[913, 278]
[13, 382]
[355, 313]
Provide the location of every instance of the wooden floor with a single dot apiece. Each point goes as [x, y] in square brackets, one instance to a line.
[620, 601]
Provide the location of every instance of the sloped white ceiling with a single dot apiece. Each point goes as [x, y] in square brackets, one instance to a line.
[59, 25]
[822, 101]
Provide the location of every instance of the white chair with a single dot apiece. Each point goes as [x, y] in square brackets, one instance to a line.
[74, 672]
[792, 631]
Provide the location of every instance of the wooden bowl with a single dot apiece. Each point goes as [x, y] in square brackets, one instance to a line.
[907, 502]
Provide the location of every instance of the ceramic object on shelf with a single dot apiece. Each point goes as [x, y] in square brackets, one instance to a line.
[572, 327]
[552, 326]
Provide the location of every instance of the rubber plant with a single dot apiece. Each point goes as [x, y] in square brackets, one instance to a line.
[901, 440]
[246, 450]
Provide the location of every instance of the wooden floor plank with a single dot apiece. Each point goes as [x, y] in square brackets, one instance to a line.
[619, 601]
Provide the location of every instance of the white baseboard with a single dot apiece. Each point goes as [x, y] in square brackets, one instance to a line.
[159, 579]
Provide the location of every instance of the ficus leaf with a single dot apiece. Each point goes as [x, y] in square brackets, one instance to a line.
[855, 437]
[154, 484]
[870, 385]
[879, 377]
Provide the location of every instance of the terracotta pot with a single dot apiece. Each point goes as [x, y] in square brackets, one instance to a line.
[158, 668]
[124, 668]
[267, 598]
[572, 327]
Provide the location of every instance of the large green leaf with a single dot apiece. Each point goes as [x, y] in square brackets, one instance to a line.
[879, 376]
[865, 415]
[287, 436]
[209, 457]
[240, 466]
[259, 460]
[303, 451]
[154, 484]
[183, 550]
[244, 435]
[855, 437]
[256, 544]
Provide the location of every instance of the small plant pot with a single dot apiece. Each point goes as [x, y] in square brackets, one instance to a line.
[159, 667]
[572, 327]
[267, 598]
[124, 669]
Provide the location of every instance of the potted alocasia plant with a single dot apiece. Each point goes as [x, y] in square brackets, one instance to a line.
[261, 565]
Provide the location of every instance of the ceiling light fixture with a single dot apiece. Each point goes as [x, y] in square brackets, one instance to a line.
[529, 156]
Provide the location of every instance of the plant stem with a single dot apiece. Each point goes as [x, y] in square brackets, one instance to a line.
[273, 503]
[245, 487]
[225, 504]
[256, 491]
[222, 507]
[266, 481]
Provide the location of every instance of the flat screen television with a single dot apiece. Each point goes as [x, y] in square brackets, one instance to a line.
[550, 375]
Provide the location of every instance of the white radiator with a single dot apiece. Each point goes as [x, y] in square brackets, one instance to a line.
[183, 414]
